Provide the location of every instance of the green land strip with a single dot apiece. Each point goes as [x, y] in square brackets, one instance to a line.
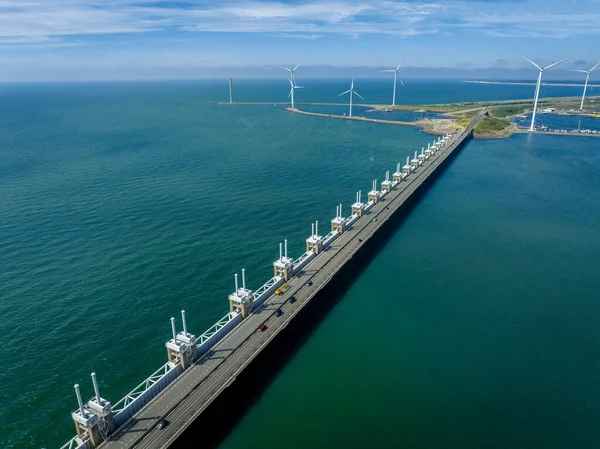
[506, 107]
[490, 126]
[487, 127]
[497, 122]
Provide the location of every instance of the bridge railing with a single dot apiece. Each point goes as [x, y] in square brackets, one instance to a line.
[350, 221]
[300, 260]
[76, 443]
[210, 332]
[217, 332]
[266, 290]
[329, 238]
[303, 260]
[144, 392]
[266, 286]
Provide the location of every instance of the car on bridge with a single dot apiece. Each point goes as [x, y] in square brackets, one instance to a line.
[163, 423]
[262, 327]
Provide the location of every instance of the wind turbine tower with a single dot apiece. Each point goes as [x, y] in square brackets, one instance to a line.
[292, 88]
[292, 80]
[351, 91]
[587, 80]
[395, 78]
[230, 92]
[539, 82]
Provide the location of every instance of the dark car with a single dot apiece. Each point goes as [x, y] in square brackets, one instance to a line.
[163, 424]
[292, 299]
[360, 240]
[279, 312]
[309, 283]
[262, 327]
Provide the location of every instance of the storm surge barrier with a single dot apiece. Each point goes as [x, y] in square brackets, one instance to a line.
[98, 420]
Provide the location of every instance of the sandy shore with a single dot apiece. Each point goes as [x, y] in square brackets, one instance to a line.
[438, 126]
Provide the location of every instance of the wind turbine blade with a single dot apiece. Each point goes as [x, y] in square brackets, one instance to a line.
[592, 69]
[343, 93]
[285, 68]
[398, 68]
[577, 70]
[352, 85]
[384, 71]
[401, 82]
[294, 69]
[298, 87]
[358, 95]
[531, 62]
[556, 63]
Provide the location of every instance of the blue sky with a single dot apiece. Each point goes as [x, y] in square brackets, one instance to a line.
[114, 39]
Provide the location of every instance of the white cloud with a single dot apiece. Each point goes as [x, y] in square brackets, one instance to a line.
[31, 22]
[328, 12]
[299, 36]
[38, 42]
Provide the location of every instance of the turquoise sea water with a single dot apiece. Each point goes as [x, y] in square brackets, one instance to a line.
[475, 326]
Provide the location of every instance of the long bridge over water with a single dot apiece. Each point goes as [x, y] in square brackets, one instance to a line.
[200, 368]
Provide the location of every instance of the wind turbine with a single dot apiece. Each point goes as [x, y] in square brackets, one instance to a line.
[587, 79]
[539, 81]
[292, 87]
[351, 91]
[395, 77]
[292, 77]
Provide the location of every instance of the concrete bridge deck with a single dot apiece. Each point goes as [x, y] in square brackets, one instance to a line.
[194, 390]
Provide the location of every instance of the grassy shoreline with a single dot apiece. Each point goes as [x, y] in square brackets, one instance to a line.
[497, 122]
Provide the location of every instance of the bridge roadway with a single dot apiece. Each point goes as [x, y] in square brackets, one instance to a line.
[191, 393]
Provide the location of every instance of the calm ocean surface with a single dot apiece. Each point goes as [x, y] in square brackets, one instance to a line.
[476, 326]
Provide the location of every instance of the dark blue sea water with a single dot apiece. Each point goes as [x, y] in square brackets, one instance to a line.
[124, 203]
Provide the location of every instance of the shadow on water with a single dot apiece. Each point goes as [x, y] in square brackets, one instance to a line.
[221, 417]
